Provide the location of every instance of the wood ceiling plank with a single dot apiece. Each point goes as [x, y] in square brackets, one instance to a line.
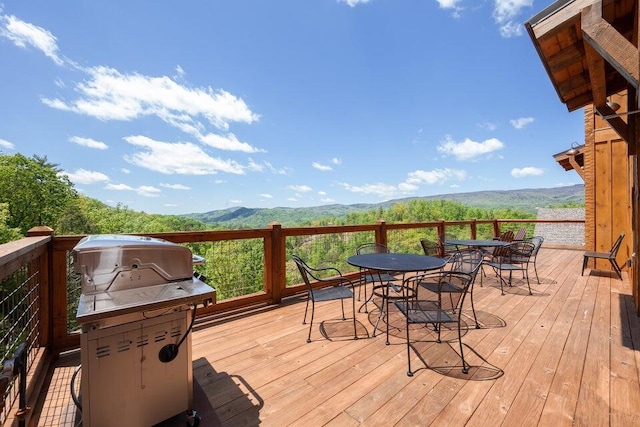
[592, 16]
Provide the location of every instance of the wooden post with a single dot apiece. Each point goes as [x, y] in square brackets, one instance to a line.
[46, 303]
[496, 228]
[474, 228]
[275, 260]
[381, 232]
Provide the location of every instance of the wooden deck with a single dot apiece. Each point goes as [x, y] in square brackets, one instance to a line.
[565, 355]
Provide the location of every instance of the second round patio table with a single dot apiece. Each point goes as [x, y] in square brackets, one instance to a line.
[394, 263]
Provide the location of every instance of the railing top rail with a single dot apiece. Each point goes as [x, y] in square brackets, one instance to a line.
[15, 254]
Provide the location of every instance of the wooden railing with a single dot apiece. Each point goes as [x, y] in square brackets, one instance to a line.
[50, 255]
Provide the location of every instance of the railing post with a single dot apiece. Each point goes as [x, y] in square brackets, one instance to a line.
[496, 228]
[441, 229]
[381, 232]
[275, 258]
[45, 292]
[474, 228]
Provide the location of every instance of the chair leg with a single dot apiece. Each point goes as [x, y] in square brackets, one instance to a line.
[409, 371]
[355, 328]
[535, 269]
[342, 305]
[313, 307]
[465, 369]
[616, 267]
[304, 321]
[584, 264]
[473, 309]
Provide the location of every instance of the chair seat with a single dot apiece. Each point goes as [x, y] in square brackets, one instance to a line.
[424, 312]
[443, 287]
[384, 277]
[331, 293]
[601, 255]
[505, 266]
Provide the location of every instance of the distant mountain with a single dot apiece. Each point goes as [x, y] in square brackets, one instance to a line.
[527, 200]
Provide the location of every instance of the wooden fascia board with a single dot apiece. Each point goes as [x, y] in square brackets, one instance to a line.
[546, 24]
[622, 55]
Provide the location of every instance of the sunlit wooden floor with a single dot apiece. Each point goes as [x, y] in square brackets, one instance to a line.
[566, 355]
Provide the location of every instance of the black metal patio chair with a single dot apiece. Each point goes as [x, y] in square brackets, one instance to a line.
[446, 308]
[611, 256]
[337, 288]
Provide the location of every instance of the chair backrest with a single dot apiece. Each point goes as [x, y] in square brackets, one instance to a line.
[429, 247]
[372, 248]
[467, 262]
[537, 243]
[452, 288]
[305, 270]
[446, 249]
[521, 234]
[616, 246]
[520, 252]
[507, 236]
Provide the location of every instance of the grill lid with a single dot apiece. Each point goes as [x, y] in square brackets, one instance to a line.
[110, 262]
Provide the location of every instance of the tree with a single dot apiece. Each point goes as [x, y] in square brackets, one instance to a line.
[35, 190]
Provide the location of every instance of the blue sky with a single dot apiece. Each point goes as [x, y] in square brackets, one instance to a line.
[176, 107]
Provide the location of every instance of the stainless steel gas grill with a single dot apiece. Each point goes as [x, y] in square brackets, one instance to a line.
[137, 296]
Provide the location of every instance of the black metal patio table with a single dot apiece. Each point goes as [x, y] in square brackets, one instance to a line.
[481, 244]
[393, 263]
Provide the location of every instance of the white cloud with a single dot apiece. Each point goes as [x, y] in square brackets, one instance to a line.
[143, 190]
[6, 144]
[88, 142]
[147, 191]
[266, 166]
[526, 171]
[380, 189]
[451, 5]
[175, 186]
[436, 176]
[321, 167]
[110, 95]
[505, 13]
[83, 176]
[300, 188]
[468, 149]
[490, 126]
[327, 200]
[410, 185]
[353, 3]
[177, 158]
[336, 161]
[118, 187]
[226, 142]
[125, 170]
[266, 196]
[23, 34]
[521, 122]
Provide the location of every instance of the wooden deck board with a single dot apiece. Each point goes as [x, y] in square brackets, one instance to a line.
[568, 355]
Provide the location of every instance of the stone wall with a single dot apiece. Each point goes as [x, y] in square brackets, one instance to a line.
[563, 234]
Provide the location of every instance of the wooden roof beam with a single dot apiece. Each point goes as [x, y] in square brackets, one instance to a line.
[621, 54]
[614, 120]
[590, 16]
